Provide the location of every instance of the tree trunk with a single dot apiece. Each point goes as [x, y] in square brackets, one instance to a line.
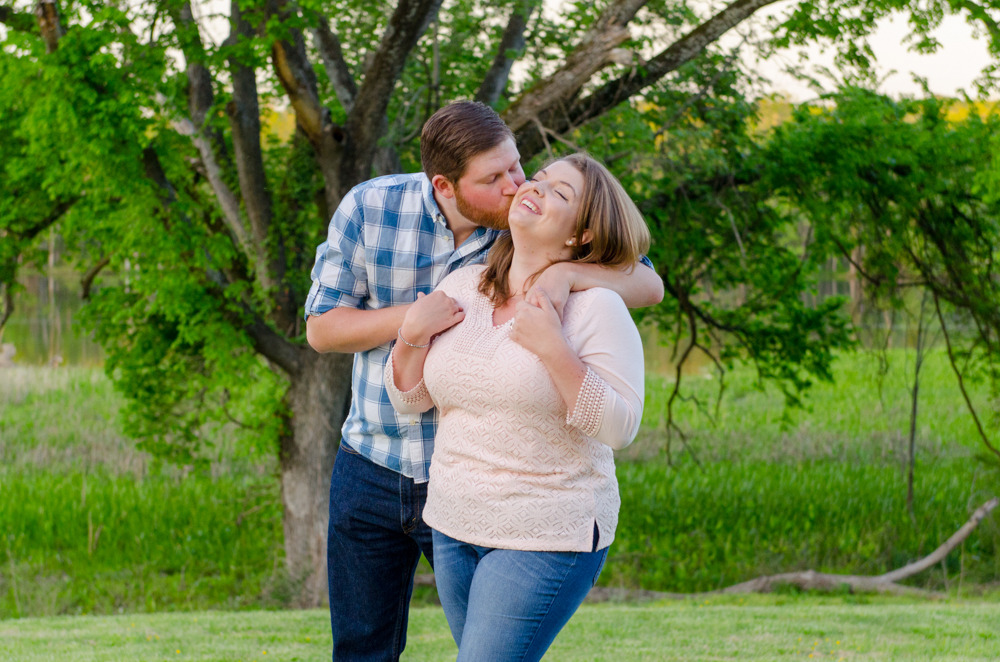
[318, 399]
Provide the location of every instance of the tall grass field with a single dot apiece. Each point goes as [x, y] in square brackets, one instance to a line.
[89, 524]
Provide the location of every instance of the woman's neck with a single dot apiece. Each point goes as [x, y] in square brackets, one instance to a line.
[525, 264]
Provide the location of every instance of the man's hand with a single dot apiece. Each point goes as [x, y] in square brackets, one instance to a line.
[430, 315]
[555, 283]
[537, 326]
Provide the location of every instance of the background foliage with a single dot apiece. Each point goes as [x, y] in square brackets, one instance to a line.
[893, 198]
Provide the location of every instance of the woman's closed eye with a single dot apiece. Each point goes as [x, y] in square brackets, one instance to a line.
[533, 180]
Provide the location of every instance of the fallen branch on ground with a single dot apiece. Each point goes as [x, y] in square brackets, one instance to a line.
[807, 580]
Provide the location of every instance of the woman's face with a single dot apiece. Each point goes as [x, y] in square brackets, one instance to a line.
[545, 208]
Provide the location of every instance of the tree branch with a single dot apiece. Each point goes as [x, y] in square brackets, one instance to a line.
[25, 236]
[614, 92]
[88, 277]
[979, 13]
[153, 170]
[208, 142]
[961, 380]
[57, 212]
[366, 122]
[285, 355]
[941, 552]
[244, 120]
[296, 75]
[511, 45]
[592, 54]
[228, 201]
[47, 13]
[8, 305]
[333, 61]
[201, 96]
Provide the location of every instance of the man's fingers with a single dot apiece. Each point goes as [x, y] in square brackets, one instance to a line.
[544, 302]
[559, 307]
[420, 295]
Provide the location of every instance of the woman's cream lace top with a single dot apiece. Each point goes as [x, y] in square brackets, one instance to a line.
[511, 467]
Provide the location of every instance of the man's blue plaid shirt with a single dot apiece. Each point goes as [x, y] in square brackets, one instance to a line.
[387, 241]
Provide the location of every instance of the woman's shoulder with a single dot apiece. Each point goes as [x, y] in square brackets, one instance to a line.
[597, 314]
[596, 300]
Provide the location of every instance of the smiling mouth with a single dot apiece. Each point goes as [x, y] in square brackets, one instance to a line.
[532, 207]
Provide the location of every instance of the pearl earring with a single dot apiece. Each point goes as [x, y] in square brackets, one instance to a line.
[570, 242]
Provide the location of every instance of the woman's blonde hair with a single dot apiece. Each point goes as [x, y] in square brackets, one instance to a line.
[619, 236]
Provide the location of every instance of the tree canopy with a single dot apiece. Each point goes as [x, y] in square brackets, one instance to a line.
[150, 145]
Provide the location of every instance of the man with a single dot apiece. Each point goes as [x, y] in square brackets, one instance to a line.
[390, 239]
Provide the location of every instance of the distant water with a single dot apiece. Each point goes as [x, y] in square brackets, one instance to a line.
[42, 332]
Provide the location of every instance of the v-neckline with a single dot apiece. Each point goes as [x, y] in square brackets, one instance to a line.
[489, 310]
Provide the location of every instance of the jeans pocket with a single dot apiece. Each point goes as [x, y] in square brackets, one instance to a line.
[347, 449]
[600, 566]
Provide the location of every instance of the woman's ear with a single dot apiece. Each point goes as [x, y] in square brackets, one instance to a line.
[586, 237]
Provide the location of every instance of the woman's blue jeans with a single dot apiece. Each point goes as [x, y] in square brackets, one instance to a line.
[508, 605]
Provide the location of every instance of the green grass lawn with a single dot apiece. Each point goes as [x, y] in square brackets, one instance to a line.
[92, 525]
[759, 628]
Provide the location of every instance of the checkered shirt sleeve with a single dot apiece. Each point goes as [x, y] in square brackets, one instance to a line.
[339, 275]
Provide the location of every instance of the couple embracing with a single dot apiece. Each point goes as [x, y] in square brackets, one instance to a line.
[488, 319]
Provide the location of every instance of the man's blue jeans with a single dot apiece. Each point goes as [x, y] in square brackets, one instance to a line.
[506, 605]
[375, 539]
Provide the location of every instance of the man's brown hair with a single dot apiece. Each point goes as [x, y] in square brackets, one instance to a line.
[457, 133]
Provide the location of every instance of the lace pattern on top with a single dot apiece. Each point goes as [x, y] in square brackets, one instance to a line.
[412, 397]
[479, 337]
[589, 410]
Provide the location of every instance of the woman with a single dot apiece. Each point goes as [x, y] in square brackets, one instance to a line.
[522, 497]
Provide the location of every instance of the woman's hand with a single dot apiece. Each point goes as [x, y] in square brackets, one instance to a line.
[537, 326]
[430, 315]
[556, 282]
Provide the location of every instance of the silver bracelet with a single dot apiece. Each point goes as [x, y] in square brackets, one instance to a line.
[399, 333]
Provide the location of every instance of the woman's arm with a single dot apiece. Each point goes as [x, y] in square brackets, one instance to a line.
[404, 371]
[602, 385]
[414, 400]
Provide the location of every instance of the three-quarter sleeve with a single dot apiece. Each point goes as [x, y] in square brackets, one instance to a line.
[608, 407]
[415, 401]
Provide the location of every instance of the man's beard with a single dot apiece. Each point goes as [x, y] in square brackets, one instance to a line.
[495, 219]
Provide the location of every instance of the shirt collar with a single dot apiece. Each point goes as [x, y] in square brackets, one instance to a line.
[430, 203]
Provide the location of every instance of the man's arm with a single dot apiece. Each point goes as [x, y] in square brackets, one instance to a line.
[350, 330]
[639, 288]
[336, 320]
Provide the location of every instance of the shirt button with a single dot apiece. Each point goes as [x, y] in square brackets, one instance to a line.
[413, 421]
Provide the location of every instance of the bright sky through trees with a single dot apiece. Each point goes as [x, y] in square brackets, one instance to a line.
[955, 66]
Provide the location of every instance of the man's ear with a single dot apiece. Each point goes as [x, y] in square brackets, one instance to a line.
[443, 186]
